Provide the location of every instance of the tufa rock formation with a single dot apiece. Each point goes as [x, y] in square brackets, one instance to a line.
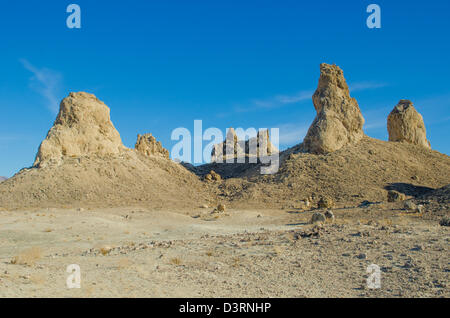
[213, 176]
[82, 128]
[263, 145]
[219, 151]
[405, 124]
[147, 145]
[339, 121]
[254, 147]
[3, 179]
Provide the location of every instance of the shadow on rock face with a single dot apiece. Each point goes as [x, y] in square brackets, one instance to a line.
[408, 189]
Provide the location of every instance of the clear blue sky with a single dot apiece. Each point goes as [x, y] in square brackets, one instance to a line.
[161, 64]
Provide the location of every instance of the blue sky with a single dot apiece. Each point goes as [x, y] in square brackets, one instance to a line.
[160, 65]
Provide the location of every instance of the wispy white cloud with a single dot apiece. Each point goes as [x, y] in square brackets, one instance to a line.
[274, 102]
[9, 138]
[281, 100]
[306, 95]
[45, 82]
[292, 133]
[375, 125]
[363, 86]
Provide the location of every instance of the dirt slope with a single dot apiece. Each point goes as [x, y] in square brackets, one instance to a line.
[351, 175]
[124, 180]
[82, 162]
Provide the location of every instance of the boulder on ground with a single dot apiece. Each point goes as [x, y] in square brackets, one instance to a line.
[213, 176]
[339, 120]
[82, 128]
[394, 196]
[318, 217]
[405, 124]
[149, 146]
[409, 205]
[329, 215]
[325, 203]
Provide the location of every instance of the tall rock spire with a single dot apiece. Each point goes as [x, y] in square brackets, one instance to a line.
[83, 127]
[339, 120]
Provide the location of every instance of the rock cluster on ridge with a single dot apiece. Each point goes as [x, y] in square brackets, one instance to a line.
[339, 120]
[82, 128]
[149, 146]
[263, 145]
[405, 124]
[254, 147]
[219, 151]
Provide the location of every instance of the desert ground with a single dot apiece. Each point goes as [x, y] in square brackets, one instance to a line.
[134, 252]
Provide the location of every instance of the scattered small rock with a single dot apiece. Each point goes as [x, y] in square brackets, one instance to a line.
[420, 209]
[329, 215]
[445, 221]
[417, 248]
[105, 250]
[305, 204]
[365, 204]
[409, 264]
[409, 205]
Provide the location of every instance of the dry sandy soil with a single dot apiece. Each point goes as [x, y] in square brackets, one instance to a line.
[137, 252]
